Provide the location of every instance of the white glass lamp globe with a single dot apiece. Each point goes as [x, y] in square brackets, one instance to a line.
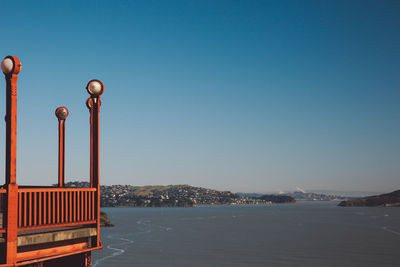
[7, 65]
[95, 88]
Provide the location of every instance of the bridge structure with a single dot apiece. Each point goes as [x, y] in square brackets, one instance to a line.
[48, 225]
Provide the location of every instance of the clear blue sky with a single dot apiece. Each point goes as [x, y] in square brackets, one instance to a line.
[237, 95]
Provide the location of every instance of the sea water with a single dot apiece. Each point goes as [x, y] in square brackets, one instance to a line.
[301, 234]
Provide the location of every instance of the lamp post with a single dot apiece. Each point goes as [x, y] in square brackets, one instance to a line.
[95, 88]
[11, 66]
[61, 114]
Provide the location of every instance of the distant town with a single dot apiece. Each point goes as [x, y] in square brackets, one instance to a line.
[189, 196]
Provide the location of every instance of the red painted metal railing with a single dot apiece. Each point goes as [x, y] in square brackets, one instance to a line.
[55, 207]
[2, 208]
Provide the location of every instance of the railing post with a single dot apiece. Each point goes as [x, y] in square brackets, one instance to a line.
[61, 114]
[11, 66]
[95, 88]
[11, 223]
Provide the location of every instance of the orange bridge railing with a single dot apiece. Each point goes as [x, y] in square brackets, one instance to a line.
[55, 207]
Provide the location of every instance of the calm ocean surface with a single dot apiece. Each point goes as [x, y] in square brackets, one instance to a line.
[302, 234]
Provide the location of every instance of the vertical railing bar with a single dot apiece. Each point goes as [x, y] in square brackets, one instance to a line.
[93, 208]
[25, 209]
[70, 206]
[44, 207]
[62, 207]
[30, 209]
[74, 205]
[58, 207]
[34, 211]
[89, 205]
[19, 208]
[40, 208]
[85, 198]
[79, 206]
[83, 206]
[53, 204]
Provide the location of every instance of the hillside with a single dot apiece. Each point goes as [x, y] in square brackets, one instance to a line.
[386, 200]
[304, 196]
[168, 196]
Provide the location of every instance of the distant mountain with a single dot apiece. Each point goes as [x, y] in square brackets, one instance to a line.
[387, 200]
[314, 196]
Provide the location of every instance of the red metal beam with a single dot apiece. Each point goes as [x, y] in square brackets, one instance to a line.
[54, 189]
[35, 254]
[54, 225]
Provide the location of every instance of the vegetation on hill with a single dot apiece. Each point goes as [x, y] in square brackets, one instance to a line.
[387, 200]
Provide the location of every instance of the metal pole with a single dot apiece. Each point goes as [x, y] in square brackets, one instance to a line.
[96, 159]
[61, 114]
[95, 88]
[89, 105]
[11, 75]
[11, 66]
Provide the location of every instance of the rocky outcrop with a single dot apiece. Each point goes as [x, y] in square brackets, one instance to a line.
[104, 220]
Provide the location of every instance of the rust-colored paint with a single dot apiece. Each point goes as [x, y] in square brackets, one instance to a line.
[11, 218]
[89, 105]
[55, 225]
[96, 159]
[25, 209]
[50, 251]
[61, 114]
[38, 206]
[25, 263]
[11, 121]
[19, 209]
[45, 208]
[94, 108]
[11, 223]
